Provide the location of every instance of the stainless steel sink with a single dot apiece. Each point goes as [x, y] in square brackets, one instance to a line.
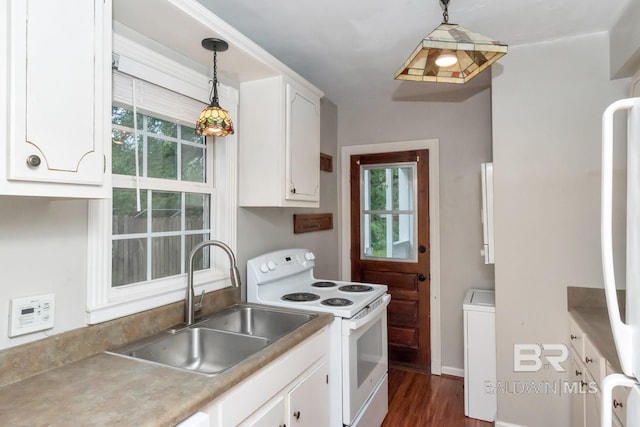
[219, 342]
[206, 351]
[258, 321]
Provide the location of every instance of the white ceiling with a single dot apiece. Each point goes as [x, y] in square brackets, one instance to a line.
[351, 49]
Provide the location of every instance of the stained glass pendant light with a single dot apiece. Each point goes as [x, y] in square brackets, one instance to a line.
[450, 54]
[214, 120]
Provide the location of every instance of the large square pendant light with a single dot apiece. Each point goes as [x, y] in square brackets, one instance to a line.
[450, 54]
[214, 120]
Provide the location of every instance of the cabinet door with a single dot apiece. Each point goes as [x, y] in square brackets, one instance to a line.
[59, 85]
[592, 402]
[302, 145]
[577, 395]
[270, 415]
[309, 400]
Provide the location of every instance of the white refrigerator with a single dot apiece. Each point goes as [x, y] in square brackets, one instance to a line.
[626, 332]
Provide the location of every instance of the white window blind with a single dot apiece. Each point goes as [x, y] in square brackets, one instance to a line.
[155, 99]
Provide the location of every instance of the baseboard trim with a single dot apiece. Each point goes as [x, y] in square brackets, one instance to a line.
[505, 424]
[456, 372]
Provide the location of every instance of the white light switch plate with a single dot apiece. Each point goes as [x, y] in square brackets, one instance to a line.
[31, 314]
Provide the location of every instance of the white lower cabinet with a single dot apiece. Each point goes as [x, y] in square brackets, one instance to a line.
[270, 415]
[588, 370]
[291, 391]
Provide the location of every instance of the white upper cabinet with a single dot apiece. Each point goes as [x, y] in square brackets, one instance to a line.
[280, 143]
[58, 98]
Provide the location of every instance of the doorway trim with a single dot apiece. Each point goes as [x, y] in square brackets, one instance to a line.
[433, 146]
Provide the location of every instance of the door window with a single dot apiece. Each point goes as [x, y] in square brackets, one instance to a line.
[388, 211]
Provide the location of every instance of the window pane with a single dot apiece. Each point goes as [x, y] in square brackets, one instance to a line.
[167, 211]
[128, 261]
[388, 236]
[376, 198]
[165, 256]
[161, 127]
[126, 218]
[123, 160]
[196, 211]
[388, 188]
[162, 160]
[201, 260]
[402, 194]
[193, 163]
[124, 117]
[189, 134]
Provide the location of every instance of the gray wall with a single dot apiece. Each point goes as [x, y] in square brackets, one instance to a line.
[43, 249]
[464, 131]
[262, 230]
[548, 99]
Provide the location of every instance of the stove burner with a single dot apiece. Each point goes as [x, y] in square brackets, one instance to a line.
[323, 285]
[337, 302]
[356, 288]
[300, 297]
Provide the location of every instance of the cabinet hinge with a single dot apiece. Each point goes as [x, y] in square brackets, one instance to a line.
[327, 378]
[115, 61]
[417, 158]
[104, 169]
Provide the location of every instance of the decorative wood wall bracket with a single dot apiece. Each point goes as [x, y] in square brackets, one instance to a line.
[326, 162]
[305, 223]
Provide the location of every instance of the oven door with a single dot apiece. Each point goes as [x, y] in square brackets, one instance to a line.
[364, 346]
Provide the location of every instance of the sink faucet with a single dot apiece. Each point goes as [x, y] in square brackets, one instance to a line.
[190, 309]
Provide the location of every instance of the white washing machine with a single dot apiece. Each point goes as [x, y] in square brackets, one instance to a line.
[479, 310]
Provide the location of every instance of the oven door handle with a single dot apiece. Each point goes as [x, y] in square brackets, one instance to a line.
[372, 316]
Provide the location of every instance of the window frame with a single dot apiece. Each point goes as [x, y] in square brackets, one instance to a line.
[105, 302]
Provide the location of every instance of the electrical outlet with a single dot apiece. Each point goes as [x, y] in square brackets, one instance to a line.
[31, 314]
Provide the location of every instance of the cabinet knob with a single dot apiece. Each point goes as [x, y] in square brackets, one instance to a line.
[296, 415]
[587, 359]
[573, 337]
[583, 384]
[293, 190]
[578, 373]
[617, 404]
[33, 161]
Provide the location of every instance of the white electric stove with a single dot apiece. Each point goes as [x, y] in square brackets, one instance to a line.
[358, 335]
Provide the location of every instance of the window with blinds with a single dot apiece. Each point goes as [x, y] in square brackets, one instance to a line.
[162, 182]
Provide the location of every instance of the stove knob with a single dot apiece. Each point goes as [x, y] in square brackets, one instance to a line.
[264, 268]
[309, 256]
[271, 265]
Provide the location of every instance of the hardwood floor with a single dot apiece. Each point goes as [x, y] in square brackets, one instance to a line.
[418, 399]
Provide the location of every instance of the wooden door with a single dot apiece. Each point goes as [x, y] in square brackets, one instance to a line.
[390, 244]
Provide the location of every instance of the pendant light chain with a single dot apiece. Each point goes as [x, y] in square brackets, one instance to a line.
[214, 101]
[445, 14]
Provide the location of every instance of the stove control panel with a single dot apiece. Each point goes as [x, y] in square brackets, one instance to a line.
[280, 264]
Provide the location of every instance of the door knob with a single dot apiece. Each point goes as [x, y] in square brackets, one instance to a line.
[422, 277]
[422, 249]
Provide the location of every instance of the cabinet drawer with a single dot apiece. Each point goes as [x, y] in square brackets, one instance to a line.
[576, 337]
[592, 402]
[594, 361]
[619, 403]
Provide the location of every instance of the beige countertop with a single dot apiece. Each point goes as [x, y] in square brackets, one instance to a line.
[594, 322]
[106, 389]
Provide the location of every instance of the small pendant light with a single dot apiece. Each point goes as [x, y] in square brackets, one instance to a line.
[450, 54]
[214, 120]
